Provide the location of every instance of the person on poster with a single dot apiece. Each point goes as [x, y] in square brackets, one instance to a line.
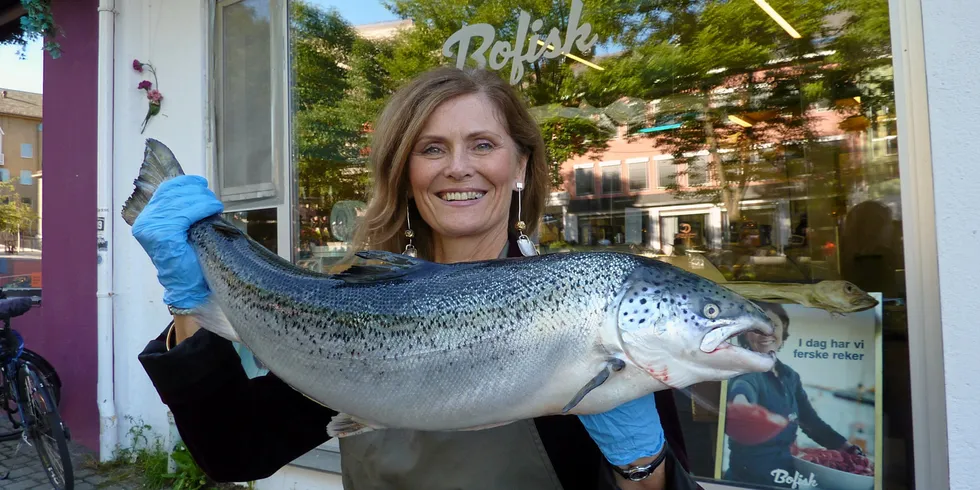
[780, 391]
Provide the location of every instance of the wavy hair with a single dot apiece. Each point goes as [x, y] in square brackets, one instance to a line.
[396, 131]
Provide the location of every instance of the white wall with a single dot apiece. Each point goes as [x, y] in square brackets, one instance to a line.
[173, 35]
[952, 55]
[170, 34]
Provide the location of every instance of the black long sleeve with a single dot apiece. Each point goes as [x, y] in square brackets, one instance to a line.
[236, 428]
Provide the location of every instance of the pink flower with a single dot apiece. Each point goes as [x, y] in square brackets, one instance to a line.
[144, 85]
[138, 66]
[154, 95]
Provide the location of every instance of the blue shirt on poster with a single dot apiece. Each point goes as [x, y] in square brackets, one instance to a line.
[781, 394]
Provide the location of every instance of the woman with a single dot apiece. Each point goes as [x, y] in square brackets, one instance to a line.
[459, 167]
[781, 392]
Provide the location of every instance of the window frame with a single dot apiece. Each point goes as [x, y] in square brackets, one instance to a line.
[279, 193]
[591, 169]
[612, 166]
[638, 161]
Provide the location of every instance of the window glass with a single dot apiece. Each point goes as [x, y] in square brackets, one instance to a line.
[638, 175]
[612, 181]
[245, 73]
[26, 150]
[769, 136]
[584, 181]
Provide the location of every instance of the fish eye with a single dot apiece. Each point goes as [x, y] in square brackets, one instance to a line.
[711, 311]
[848, 288]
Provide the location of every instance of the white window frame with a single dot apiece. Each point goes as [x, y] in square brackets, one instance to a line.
[279, 194]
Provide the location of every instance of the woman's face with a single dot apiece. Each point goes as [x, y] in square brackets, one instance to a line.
[766, 343]
[463, 169]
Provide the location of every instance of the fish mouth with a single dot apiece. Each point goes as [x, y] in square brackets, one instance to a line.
[717, 339]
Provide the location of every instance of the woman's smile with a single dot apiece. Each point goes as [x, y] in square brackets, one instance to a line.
[461, 197]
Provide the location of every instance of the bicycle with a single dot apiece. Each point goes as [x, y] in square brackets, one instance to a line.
[26, 396]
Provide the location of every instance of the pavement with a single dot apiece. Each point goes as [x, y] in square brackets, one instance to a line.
[26, 473]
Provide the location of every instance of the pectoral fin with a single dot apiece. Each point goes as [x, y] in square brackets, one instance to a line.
[612, 365]
[344, 425]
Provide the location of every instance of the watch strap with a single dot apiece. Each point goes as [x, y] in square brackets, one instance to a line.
[640, 473]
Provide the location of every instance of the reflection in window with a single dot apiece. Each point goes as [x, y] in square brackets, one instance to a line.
[258, 224]
[638, 175]
[584, 181]
[612, 181]
[666, 173]
[697, 172]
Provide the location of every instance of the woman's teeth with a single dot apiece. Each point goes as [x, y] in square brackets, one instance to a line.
[462, 196]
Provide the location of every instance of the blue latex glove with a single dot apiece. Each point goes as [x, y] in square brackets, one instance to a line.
[628, 432]
[161, 229]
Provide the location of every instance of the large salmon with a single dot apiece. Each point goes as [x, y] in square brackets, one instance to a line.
[399, 342]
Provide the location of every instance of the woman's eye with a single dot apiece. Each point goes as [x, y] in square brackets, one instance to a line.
[484, 147]
[431, 150]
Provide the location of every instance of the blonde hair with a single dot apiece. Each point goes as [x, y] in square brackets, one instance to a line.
[398, 126]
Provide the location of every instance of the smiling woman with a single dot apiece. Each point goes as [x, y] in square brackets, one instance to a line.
[468, 147]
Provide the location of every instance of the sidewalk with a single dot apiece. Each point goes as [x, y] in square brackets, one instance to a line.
[25, 470]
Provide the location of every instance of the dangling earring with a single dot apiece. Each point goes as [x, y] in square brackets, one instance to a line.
[410, 249]
[523, 242]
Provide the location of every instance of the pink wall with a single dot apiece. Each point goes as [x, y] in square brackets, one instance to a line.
[66, 335]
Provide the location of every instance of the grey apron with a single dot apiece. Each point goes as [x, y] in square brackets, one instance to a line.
[508, 457]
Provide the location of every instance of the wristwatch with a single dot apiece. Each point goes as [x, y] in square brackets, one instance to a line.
[640, 473]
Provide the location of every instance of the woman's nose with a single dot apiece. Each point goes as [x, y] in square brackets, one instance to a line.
[459, 165]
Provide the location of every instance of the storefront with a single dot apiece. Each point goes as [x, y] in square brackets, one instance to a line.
[775, 142]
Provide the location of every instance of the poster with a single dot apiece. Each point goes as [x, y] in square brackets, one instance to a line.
[815, 420]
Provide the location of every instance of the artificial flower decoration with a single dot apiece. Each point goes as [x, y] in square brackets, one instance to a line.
[152, 94]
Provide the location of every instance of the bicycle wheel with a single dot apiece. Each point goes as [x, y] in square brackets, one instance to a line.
[47, 370]
[45, 428]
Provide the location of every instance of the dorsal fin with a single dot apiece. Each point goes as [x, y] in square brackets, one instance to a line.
[393, 266]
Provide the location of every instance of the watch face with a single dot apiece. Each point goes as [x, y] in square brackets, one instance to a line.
[637, 474]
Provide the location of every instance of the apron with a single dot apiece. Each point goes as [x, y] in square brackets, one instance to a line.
[509, 457]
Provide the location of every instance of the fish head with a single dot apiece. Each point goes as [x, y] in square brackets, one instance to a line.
[843, 296]
[675, 325]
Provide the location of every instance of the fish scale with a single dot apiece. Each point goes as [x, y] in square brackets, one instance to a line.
[400, 342]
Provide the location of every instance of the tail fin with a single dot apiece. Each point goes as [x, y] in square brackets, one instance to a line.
[159, 165]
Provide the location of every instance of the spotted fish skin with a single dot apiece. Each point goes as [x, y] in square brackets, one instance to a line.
[407, 343]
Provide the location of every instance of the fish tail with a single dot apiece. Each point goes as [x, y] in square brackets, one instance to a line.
[159, 165]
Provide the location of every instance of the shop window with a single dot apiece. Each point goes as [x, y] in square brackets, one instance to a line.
[638, 175]
[792, 193]
[612, 180]
[584, 182]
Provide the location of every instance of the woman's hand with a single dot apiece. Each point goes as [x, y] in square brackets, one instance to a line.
[161, 229]
[630, 435]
